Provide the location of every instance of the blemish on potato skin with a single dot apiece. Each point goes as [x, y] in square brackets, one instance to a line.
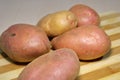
[13, 34]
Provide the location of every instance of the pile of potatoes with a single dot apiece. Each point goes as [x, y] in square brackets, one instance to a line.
[56, 44]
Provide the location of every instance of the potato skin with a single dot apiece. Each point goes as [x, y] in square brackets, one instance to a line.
[61, 64]
[24, 42]
[89, 42]
[57, 23]
[85, 15]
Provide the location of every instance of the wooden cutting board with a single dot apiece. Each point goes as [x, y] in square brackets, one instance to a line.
[107, 68]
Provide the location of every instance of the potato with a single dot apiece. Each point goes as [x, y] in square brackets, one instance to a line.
[61, 64]
[24, 42]
[57, 23]
[85, 15]
[88, 41]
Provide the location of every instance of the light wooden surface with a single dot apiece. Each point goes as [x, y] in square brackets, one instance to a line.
[107, 68]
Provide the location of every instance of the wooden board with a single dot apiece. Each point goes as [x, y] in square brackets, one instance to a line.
[107, 68]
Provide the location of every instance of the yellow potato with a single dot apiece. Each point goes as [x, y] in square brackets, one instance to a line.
[57, 23]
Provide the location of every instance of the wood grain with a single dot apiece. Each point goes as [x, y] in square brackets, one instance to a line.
[106, 68]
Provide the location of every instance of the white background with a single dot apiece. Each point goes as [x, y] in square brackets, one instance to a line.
[30, 11]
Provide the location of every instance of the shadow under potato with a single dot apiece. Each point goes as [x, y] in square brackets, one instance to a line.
[10, 60]
[108, 54]
[100, 58]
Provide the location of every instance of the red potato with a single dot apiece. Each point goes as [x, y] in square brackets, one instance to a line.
[55, 24]
[85, 15]
[61, 64]
[88, 41]
[24, 42]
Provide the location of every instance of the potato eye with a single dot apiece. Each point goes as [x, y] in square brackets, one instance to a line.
[13, 34]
